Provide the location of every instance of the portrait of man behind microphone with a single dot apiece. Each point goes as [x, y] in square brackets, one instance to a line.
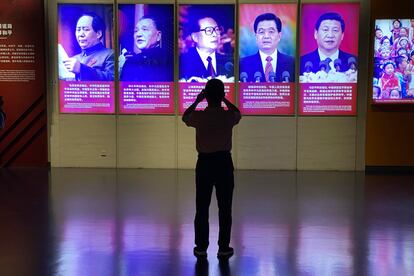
[268, 64]
[152, 62]
[203, 61]
[329, 32]
[146, 39]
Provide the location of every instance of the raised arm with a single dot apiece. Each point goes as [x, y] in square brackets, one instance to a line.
[230, 106]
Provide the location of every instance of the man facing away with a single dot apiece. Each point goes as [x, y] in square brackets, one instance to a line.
[214, 165]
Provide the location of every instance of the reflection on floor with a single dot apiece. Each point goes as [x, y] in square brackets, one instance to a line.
[102, 222]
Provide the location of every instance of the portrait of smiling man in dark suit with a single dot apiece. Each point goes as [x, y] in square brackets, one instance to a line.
[268, 64]
[328, 34]
[203, 61]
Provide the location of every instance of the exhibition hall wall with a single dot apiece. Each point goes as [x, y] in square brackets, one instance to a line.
[128, 136]
[24, 138]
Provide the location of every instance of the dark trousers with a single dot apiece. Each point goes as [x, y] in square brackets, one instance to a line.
[213, 170]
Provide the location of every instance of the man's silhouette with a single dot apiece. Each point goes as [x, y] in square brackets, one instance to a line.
[214, 165]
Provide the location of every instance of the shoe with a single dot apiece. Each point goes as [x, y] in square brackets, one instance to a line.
[225, 252]
[200, 253]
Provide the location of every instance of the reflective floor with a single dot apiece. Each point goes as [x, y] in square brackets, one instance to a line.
[102, 222]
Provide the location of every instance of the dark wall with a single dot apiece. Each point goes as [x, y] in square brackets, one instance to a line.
[24, 140]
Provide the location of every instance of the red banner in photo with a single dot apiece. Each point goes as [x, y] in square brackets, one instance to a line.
[327, 99]
[146, 97]
[189, 91]
[86, 97]
[267, 98]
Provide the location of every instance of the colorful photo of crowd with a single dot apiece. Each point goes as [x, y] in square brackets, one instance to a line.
[393, 59]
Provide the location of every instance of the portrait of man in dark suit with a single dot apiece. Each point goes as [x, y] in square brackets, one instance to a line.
[268, 64]
[329, 33]
[95, 62]
[153, 63]
[203, 61]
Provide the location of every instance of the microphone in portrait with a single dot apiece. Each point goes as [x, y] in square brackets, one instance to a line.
[308, 67]
[285, 76]
[243, 77]
[337, 64]
[352, 61]
[272, 76]
[257, 76]
[323, 65]
[229, 67]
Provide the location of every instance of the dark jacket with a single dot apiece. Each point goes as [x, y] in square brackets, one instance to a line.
[149, 65]
[252, 64]
[97, 64]
[191, 65]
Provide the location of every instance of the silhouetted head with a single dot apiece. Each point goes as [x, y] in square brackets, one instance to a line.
[1, 101]
[214, 92]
